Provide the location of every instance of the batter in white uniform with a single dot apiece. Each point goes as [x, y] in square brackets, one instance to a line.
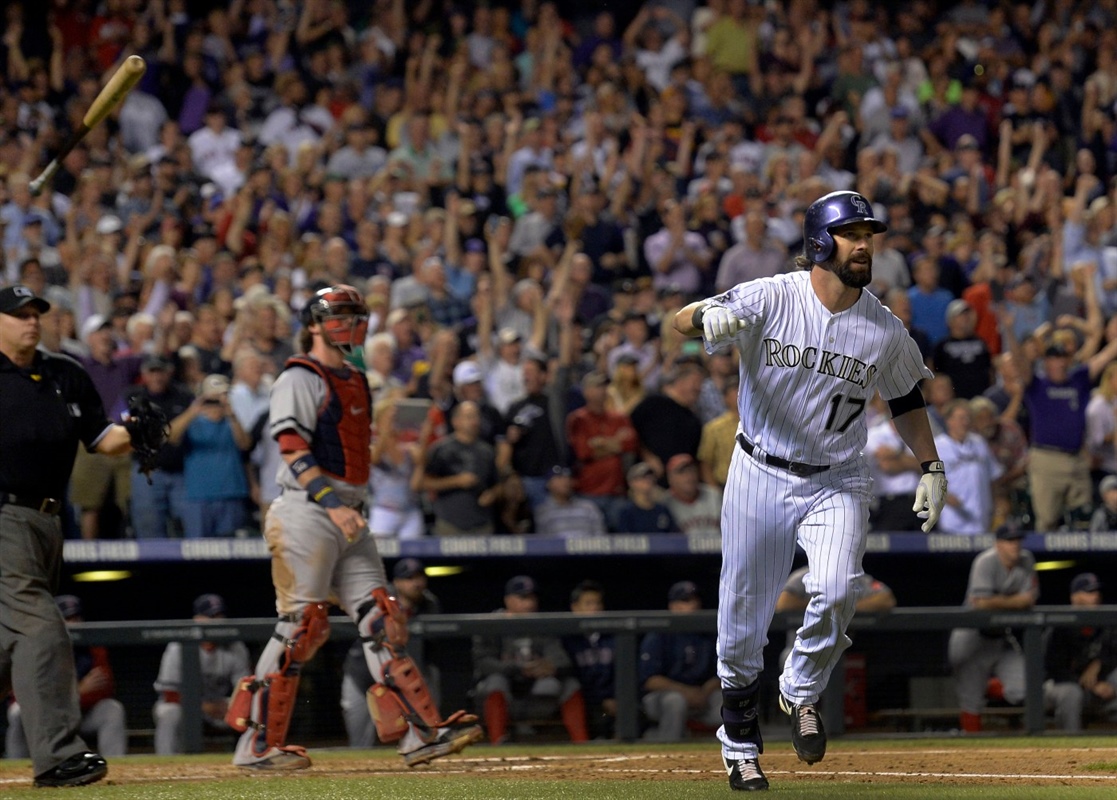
[814, 348]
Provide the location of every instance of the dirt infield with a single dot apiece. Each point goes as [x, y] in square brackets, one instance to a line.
[970, 762]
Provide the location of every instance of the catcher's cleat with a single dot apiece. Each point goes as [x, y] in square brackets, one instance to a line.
[745, 775]
[280, 759]
[808, 737]
[450, 740]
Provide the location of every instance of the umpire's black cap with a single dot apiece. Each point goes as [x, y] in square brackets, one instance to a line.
[13, 298]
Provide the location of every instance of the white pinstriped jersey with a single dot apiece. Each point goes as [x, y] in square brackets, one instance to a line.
[807, 374]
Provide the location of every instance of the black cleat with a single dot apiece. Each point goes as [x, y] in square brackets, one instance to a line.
[745, 775]
[808, 737]
[75, 771]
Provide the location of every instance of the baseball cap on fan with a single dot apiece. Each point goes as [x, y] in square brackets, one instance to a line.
[13, 298]
[95, 322]
[467, 372]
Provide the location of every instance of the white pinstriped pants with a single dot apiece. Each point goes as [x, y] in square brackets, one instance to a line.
[767, 510]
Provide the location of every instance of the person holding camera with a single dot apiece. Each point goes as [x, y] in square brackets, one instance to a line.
[213, 444]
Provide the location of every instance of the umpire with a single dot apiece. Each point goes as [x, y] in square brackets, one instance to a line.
[48, 404]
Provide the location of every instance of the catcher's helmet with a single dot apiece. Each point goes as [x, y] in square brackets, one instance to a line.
[341, 313]
[832, 211]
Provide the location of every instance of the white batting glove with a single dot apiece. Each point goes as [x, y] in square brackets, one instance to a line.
[719, 324]
[930, 496]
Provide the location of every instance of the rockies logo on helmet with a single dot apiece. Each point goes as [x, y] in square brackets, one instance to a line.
[833, 211]
[341, 314]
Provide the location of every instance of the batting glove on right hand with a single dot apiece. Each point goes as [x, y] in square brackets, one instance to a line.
[719, 324]
[930, 496]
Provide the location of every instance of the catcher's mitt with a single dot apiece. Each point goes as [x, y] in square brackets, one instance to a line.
[148, 428]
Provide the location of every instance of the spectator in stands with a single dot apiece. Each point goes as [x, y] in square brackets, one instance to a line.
[757, 255]
[159, 499]
[666, 422]
[594, 657]
[1057, 397]
[522, 676]
[962, 355]
[222, 666]
[1081, 663]
[1009, 447]
[928, 299]
[969, 501]
[715, 448]
[721, 367]
[102, 715]
[899, 303]
[601, 442]
[626, 388]
[678, 674]
[1105, 515]
[1101, 425]
[643, 513]
[1002, 578]
[873, 597]
[460, 471]
[534, 441]
[396, 474]
[695, 506]
[563, 513]
[636, 343]
[409, 587]
[677, 256]
[95, 474]
[895, 472]
[212, 441]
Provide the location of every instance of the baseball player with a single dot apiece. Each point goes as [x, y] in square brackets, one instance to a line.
[222, 666]
[814, 348]
[1002, 578]
[320, 545]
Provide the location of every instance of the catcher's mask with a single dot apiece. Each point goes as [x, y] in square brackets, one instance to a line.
[341, 315]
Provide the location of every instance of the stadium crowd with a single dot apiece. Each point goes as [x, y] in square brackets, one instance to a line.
[524, 192]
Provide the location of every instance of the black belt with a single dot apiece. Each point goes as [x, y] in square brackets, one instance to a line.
[47, 505]
[794, 467]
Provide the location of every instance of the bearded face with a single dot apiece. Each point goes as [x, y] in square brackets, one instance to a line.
[856, 271]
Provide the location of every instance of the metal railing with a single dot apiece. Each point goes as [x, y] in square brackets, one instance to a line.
[626, 627]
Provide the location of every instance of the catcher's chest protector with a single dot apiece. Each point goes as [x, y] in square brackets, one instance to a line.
[344, 431]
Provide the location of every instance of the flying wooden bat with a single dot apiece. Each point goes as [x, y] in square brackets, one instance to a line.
[109, 98]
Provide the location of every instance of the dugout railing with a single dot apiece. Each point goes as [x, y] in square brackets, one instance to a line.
[627, 629]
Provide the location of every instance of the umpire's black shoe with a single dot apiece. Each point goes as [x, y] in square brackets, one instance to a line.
[75, 771]
[808, 737]
[745, 775]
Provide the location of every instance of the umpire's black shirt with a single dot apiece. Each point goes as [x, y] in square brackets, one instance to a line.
[46, 410]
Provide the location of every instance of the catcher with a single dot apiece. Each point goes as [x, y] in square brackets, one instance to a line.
[321, 549]
[49, 405]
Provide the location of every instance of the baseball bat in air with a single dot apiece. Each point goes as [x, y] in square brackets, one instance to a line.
[122, 81]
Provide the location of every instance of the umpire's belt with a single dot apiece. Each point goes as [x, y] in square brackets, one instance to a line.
[47, 505]
[794, 467]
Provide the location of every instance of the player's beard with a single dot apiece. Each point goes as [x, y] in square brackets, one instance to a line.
[854, 278]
